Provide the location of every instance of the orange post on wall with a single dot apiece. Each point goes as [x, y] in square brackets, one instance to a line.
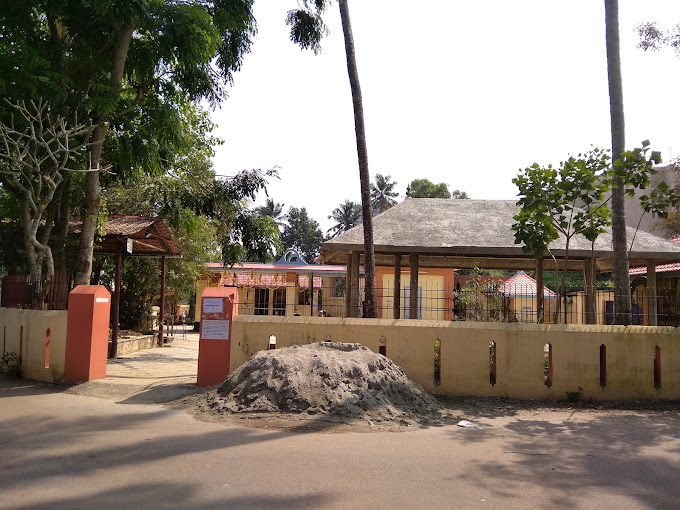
[218, 307]
[87, 333]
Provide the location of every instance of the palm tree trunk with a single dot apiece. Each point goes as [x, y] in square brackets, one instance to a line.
[622, 298]
[370, 300]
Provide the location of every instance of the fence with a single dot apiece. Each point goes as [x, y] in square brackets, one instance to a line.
[490, 303]
[487, 359]
[20, 291]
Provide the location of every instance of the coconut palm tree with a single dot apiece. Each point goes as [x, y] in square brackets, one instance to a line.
[622, 298]
[382, 193]
[307, 29]
[347, 215]
[274, 211]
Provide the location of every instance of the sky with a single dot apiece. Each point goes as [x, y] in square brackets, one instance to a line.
[462, 92]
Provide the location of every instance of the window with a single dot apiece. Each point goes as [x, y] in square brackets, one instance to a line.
[279, 302]
[262, 302]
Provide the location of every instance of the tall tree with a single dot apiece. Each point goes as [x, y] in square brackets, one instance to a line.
[273, 210]
[302, 234]
[346, 216]
[622, 295]
[382, 193]
[120, 63]
[307, 29]
[425, 188]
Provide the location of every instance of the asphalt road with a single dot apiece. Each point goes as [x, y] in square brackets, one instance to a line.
[59, 450]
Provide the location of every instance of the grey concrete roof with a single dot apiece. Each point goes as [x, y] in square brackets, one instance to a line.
[476, 228]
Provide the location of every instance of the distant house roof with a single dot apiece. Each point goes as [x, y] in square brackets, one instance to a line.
[150, 236]
[272, 276]
[469, 233]
[523, 285]
[663, 268]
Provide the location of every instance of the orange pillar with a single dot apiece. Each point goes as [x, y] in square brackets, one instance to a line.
[218, 307]
[87, 333]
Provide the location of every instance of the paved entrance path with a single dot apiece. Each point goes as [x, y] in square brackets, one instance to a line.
[175, 363]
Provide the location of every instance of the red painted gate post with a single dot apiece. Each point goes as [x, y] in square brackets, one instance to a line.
[87, 333]
[218, 307]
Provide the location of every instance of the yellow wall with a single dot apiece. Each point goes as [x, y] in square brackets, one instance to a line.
[465, 354]
[35, 324]
[435, 299]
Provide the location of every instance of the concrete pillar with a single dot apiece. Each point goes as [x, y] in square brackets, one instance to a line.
[291, 294]
[589, 289]
[652, 310]
[396, 305]
[355, 302]
[348, 286]
[413, 291]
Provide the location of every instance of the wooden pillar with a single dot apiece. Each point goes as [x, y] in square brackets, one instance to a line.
[396, 305]
[589, 289]
[355, 301]
[161, 313]
[652, 310]
[413, 288]
[115, 317]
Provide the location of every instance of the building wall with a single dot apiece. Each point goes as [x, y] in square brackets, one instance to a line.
[436, 285]
[25, 332]
[520, 354]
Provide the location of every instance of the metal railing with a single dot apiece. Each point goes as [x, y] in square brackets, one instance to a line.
[51, 293]
[491, 304]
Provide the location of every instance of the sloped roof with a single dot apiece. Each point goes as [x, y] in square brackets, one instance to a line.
[663, 268]
[260, 280]
[523, 285]
[150, 236]
[465, 233]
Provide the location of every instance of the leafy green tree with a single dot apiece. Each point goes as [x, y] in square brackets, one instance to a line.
[274, 211]
[459, 195]
[549, 208]
[382, 193]
[346, 216]
[570, 200]
[424, 188]
[307, 29]
[114, 64]
[302, 233]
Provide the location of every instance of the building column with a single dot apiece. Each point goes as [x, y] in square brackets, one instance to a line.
[413, 289]
[355, 302]
[589, 289]
[652, 310]
[291, 295]
[348, 286]
[396, 305]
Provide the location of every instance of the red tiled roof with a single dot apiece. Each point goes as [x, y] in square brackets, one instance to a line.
[663, 268]
[150, 236]
[269, 281]
[522, 284]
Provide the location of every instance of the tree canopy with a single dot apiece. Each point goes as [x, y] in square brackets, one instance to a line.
[302, 233]
[424, 188]
[347, 215]
[123, 68]
[382, 193]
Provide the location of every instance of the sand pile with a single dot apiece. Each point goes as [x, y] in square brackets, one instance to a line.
[334, 379]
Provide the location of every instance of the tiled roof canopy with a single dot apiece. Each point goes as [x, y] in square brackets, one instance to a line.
[150, 236]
